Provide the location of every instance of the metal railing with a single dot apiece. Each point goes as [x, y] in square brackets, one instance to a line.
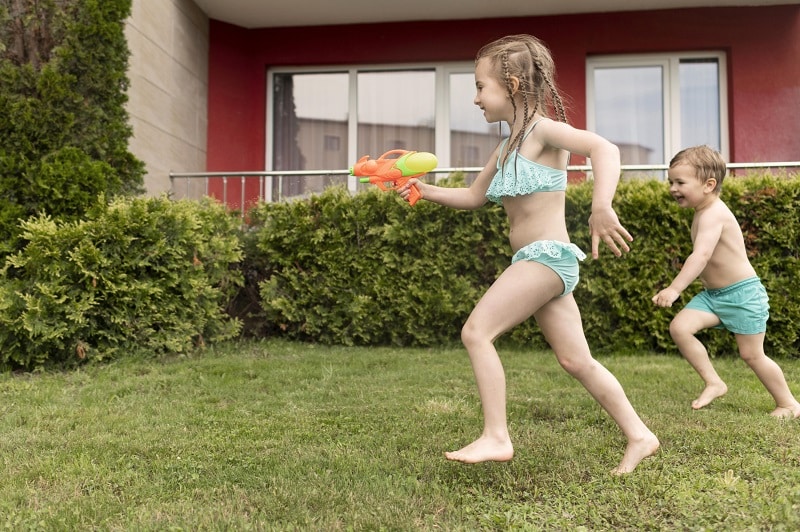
[265, 177]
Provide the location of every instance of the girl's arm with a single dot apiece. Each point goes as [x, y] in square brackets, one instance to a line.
[470, 198]
[603, 223]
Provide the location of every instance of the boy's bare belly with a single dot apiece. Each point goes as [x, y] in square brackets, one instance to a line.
[719, 276]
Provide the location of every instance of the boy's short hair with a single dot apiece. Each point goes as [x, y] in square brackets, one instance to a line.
[707, 163]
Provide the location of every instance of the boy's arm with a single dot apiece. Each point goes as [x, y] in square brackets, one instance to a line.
[709, 231]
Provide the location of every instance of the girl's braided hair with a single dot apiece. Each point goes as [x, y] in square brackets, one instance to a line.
[529, 60]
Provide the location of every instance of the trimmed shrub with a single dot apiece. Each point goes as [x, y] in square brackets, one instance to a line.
[138, 274]
[369, 269]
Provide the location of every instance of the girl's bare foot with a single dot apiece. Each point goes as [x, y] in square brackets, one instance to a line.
[711, 392]
[484, 449]
[787, 412]
[635, 452]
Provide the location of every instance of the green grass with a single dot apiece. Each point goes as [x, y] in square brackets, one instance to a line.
[282, 436]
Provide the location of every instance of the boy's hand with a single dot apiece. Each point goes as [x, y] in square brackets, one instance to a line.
[604, 225]
[666, 297]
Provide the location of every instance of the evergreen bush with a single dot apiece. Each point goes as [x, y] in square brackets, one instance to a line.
[63, 124]
[138, 274]
[369, 269]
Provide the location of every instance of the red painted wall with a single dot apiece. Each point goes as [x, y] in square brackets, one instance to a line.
[762, 43]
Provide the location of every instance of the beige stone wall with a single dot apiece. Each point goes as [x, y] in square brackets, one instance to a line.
[168, 94]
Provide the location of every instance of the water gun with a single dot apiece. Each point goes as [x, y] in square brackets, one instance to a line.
[390, 173]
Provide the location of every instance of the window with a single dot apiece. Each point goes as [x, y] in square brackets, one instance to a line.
[333, 142]
[308, 111]
[653, 106]
[472, 139]
[326, 120]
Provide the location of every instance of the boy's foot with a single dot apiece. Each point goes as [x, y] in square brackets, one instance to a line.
[484, 449]
[711, 392]
[635, 452]
[786, 412]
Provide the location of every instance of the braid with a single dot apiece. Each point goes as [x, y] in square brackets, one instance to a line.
[558, 105]
[527, 59]
[507, 81]
[506, 75]
[526, 118]
[538, 70]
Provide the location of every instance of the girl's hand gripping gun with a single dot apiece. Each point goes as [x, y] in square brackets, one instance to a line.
[392, 173]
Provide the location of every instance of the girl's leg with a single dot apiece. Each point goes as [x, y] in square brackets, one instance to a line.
[683, 328]
[560, 321]
[751, 349]
[521, 289]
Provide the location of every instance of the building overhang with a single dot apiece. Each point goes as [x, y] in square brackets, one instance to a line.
[280, 13]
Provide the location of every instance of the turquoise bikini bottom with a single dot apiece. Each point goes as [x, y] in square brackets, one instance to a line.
[561, 257]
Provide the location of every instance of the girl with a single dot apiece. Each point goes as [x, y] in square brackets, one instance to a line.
[514, 77]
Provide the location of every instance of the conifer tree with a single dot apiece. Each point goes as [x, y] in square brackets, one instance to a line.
[64, 128]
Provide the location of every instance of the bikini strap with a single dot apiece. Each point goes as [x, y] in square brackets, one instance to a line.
[569, 154]
[502, 146]
[531, 128]
[505, 140]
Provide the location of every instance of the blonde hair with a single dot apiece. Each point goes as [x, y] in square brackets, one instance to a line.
[707, 163]
[529, 60]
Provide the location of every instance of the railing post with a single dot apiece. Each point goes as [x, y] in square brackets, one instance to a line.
[242, 200]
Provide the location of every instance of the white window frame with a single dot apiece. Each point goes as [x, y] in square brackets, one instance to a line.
[442, 72]
[670, 63]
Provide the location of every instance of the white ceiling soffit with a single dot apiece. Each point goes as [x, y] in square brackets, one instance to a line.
[284, 13]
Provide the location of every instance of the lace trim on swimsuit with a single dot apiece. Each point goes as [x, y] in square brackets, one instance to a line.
[551, 248]
[529, 177]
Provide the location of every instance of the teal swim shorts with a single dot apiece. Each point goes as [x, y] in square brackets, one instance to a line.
[742, 308]
[561, 257]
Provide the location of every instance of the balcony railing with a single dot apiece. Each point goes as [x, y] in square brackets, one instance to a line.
[239, 188]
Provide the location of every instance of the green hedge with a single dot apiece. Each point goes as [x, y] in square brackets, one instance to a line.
[615, 294]
[369, 269]
[138, 274]
[166, 277]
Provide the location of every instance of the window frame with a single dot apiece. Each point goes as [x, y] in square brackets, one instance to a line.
[670, 63]
[442, 72]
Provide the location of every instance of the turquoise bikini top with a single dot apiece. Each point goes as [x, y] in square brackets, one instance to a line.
[521, 176]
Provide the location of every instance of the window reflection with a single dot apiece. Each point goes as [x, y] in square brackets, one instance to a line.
[396, 111]
[472, 139]
[655, 105]
[310, 130]
[629, 104]
[700, 114]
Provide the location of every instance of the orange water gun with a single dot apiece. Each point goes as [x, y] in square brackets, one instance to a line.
[391, 173]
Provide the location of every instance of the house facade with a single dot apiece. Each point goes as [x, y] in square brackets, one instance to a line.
[209, 95]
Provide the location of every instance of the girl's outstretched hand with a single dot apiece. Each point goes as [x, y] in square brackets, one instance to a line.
[604, 225]
[405, 190]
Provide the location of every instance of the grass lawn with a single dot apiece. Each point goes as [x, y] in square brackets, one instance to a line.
[282, 436]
